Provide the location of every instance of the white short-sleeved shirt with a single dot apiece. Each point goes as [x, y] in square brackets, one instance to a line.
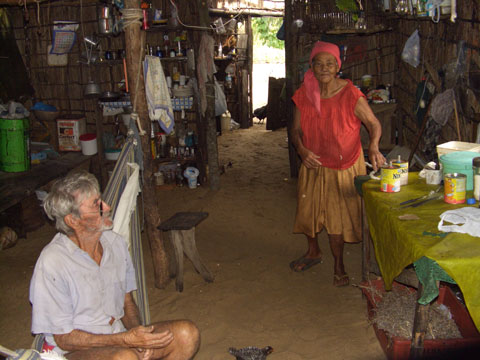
[69, 290]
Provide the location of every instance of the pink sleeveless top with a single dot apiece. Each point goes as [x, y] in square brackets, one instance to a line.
[334, 135]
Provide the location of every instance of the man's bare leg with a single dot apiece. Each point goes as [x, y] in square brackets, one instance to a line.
[185, 344]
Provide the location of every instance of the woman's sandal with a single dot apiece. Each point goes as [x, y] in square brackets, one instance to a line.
[341, 280]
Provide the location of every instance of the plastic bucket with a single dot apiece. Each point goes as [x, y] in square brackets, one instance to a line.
[225, 123]
[88, 143]
[14, 145]
[459, 162]
[191, 174]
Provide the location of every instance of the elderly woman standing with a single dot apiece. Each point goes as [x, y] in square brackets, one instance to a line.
[326, 134]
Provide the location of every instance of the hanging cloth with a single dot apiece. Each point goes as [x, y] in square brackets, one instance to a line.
[158, 96]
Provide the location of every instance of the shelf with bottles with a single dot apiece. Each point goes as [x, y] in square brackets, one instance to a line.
[171, 45]
[179, 145]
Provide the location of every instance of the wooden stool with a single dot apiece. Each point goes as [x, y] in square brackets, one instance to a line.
[181, 228]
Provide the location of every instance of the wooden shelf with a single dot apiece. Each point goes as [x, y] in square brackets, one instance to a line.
[169, 160]
[176, 58]
[156, 28]
[108, 62]
[369, 31]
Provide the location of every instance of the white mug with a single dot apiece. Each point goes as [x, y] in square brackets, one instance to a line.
[433, 177]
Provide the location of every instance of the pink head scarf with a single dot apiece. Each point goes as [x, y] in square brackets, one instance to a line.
[309, 80]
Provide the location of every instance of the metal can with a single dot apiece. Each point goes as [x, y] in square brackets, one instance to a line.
[390, 179]
[403, 165]
[455, 188]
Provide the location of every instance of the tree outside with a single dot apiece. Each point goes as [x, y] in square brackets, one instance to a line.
[268, 56]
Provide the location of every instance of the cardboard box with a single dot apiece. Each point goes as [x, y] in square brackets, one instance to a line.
[69, 130]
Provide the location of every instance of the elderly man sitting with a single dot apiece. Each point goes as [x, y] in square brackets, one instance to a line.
[81, 289]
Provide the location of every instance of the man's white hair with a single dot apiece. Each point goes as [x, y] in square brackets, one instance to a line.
[66, 196]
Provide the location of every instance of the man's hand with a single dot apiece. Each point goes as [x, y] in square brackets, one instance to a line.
[147, 354]
[142, 337]
[376, 158]
[309, 159]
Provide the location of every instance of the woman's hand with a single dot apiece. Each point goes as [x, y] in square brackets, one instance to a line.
[376, 158]
[142, 337]
[309, 159]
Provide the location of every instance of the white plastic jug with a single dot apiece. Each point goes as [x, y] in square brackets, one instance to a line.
[191, 174]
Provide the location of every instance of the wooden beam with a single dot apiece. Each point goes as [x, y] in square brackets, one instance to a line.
[420, 324]
[249, 119]
[134, 40]
[290, 83]
[250, 12]
[211, 130]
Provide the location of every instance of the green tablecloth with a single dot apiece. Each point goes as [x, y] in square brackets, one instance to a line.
[399, 243]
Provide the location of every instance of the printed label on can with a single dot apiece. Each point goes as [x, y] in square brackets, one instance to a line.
[403, 165]
[455, 188]
[390, 179]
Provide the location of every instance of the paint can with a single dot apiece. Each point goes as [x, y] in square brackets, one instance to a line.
[390, 179]
[455, 188]
[403, 165]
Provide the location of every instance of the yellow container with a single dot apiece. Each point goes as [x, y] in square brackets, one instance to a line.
[390, 179]
[455, 188]
[403, 165]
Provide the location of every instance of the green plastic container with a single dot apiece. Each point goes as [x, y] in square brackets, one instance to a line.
[14, 145]
[459, 162]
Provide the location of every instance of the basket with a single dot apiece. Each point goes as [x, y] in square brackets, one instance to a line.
[44, 115]
[398, 348]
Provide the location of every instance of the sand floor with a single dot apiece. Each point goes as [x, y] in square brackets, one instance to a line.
[247, 242]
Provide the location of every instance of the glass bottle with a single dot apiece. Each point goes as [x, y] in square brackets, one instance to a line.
[179, 175]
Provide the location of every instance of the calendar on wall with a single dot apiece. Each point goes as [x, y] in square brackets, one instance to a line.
[64, 36]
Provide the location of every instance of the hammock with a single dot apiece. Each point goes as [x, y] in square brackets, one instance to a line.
[125, 171]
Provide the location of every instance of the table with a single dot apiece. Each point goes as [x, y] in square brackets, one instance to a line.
[400, 243]
[14, 187]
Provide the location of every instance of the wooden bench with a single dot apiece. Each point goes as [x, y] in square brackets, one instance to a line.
[181, 229]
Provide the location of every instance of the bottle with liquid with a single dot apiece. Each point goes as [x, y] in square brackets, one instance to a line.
[174, 16]
[228, 81]
[153, 145]
[476, 178]
[179, 175]
[220, 51]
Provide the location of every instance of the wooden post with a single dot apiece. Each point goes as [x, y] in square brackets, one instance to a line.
[290, 74]
[419, 327]
[249, 82]
[212, 148]
[365, 244]
[133, 47]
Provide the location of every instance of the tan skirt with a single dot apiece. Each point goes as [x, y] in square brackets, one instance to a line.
[326, 198]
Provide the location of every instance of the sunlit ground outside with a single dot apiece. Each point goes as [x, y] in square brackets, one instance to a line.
[267, 62]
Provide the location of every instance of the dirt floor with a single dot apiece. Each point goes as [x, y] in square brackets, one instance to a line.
[247, 242]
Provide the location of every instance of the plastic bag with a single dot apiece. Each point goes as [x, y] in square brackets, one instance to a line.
[411, 51]
[220, 100]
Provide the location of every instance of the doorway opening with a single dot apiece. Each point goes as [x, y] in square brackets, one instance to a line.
[268, 62]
